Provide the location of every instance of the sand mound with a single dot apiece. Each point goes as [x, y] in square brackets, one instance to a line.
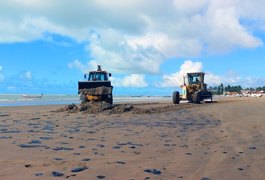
[93, 107]
[69, 108]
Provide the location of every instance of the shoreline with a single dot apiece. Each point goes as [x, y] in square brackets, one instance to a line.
[17, 100]
[157, 99]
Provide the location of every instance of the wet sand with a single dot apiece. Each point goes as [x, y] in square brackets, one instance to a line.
[221, 140]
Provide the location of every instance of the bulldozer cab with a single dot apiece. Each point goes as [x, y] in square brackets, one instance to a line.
[98, 75]
[193, 82]
[195, 78]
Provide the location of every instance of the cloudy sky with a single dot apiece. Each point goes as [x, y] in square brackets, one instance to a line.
[47, 45]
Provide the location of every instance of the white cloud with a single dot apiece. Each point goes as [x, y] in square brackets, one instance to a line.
[12, 88]
[136, 36]
[1, 75]
[78, 65]
[252, 82]
[119, 55]
[234, 79]
[133, 80]
[191, 6]
[226, 31]
[230, 78]
[26, 75]
[213, 79]
[176, 79]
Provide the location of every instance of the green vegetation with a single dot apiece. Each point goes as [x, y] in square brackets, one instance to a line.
[257, 89]
[233, 88]
[218, 90]
[221, 89]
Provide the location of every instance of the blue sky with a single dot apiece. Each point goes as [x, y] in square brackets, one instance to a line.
[47, 45]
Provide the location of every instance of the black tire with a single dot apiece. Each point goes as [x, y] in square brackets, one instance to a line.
[110, 100]
[196, 98]
[175, 97]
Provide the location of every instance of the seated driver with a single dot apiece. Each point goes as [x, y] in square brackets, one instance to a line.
[197, 81]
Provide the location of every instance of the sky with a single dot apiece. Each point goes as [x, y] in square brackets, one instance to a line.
[47, 45]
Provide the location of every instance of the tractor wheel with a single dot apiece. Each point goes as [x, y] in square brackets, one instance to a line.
[175, 97]
[110, 100]
[196, 98]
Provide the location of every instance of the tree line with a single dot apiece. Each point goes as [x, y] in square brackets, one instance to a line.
[221, 89]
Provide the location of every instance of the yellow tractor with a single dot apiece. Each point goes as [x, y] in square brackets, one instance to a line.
[96, 87]
[193, 89]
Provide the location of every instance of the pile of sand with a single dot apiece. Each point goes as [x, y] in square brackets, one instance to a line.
[94, 107]
[69, 108]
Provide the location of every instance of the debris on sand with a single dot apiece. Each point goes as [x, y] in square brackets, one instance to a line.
[121, 108]
[79, 169]
[3, 114]
[153, 171]
[69, 108]
[95, 107]
[57, 174]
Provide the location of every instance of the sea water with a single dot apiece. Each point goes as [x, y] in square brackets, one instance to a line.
[49, 99]
[52, 99]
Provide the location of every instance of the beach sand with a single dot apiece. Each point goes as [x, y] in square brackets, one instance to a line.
[220, 140]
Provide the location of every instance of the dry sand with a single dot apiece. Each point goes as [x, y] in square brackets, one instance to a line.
[222, 140]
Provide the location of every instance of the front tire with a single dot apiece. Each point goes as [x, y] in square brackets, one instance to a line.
[196, 98]
[175, 97]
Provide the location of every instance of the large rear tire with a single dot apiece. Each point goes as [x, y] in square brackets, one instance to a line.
[175, 97]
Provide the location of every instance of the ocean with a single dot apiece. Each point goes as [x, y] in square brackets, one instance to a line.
[52, 99]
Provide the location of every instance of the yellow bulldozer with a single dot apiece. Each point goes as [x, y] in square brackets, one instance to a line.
[193, 89]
